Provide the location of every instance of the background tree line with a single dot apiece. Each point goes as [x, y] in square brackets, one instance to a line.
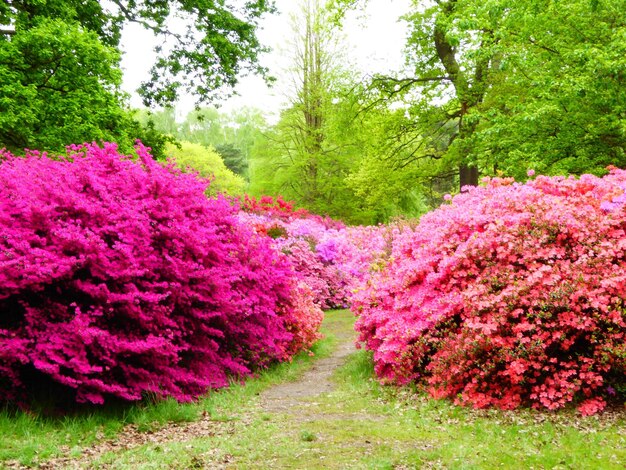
[491, 87]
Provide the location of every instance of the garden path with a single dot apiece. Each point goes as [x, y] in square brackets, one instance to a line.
[290, 396]
[286, 399]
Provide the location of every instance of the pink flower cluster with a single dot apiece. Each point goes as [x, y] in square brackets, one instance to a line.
[303, 318]
[331, 259]
[511, 295]
[118, 277]
[327, 283]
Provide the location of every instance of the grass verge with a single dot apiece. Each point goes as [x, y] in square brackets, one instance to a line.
[362, 424]
[359, 424]
[32, 437]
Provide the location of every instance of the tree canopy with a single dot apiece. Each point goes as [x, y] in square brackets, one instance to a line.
[303, 157]
[232, 134]
[209, 164]
[490, 87]
[502, 86]
[60, 71]
[205, 45]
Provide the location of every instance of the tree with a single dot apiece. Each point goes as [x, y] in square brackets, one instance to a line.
[560, 105]
[203, 126]
[59, 84]
[453, 50]
[209, 164]
[325, 151]
[232, 135]
[59, 63]
[398, 172]
[233, 158]
[299, 158]
[163, 120]
[215, 42]
[505, 85]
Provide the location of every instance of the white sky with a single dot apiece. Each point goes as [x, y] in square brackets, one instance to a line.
[375, 42]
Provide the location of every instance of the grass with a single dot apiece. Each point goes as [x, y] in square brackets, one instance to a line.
[360, 424]
[392, 428]
[31, 437]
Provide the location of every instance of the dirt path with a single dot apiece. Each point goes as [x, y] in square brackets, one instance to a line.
[289, 396]
[285, 398]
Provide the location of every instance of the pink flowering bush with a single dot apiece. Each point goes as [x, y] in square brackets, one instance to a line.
[331, 259]
[118, 277]
[327, 283]
[303, 319]
[510, 295]
[362, 250]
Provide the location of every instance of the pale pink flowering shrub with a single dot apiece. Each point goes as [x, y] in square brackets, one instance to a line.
[326, 282]
[331, 259]
[299, 238]
[118, 277]
[511, 295]
[364, 249]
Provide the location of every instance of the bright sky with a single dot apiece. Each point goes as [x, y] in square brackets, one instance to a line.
[375, 42]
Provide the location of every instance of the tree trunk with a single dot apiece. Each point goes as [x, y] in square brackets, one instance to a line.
[468, 176]
[469, 87]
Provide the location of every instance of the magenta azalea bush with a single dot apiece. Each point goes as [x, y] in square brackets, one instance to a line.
[118, 278]
[511, 295]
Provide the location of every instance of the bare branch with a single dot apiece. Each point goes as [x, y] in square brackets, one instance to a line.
[133, 18]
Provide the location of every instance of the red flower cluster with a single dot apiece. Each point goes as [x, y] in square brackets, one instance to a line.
[284, 211]
[512, 294]
[118, 277]
[275, 207]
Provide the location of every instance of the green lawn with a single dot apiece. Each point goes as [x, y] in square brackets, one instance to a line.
[360, 424]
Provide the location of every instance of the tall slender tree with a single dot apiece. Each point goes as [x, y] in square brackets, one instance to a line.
[298, 160]
[313, 69]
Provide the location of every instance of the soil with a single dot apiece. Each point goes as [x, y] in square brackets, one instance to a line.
[316, 381]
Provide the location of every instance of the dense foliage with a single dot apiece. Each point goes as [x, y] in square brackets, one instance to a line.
[513, 294]
[53, 76]
[60, 77]
[120, 278]
[208, 164]
[492, 85]
[232, 134]
[213, 42]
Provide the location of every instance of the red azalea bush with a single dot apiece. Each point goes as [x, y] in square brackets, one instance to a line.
[303, 319]
[277, 207]
[514, 294]
[118, 277]
[285, 211]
